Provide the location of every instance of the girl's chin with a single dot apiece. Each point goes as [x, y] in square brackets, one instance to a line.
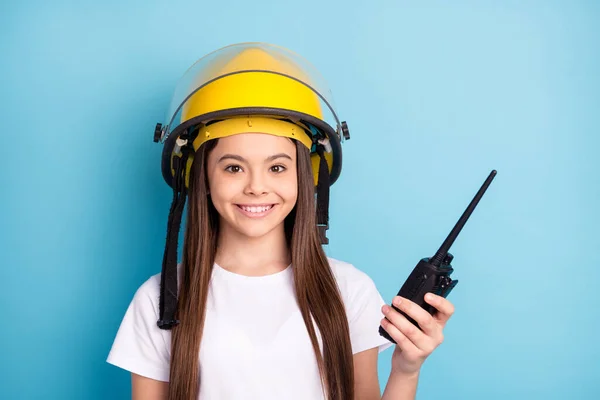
[253, 229]
[255, 233]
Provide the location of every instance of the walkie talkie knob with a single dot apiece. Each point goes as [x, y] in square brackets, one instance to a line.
[445, 281]
[448, 259]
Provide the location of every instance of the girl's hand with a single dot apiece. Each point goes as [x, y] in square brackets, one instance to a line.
[413, 345]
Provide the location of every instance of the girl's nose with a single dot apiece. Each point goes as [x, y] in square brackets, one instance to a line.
[256, 184]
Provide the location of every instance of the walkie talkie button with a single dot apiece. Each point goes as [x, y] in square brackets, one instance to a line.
[444, 281]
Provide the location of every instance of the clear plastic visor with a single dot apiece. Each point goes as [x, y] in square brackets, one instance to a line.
[250, 57]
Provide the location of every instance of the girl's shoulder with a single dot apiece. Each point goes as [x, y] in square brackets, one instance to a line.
[147, 294]
[350, 278]
[347, 271]
[363, 304]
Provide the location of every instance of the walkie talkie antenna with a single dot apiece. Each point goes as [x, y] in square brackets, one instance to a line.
[443, 251]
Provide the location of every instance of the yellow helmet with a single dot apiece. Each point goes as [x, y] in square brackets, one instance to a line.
[245, 88]
[259, 82]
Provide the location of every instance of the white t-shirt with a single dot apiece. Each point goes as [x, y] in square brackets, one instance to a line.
[255, 344]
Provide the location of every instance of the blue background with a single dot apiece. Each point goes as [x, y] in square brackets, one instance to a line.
[436, 94]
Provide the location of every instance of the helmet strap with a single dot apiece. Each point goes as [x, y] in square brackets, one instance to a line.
[323, 196]
[168, 278]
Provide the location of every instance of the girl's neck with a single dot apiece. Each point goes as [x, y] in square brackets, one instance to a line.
[260, 256]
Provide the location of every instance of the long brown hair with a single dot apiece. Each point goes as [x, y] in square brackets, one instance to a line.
[316, 289]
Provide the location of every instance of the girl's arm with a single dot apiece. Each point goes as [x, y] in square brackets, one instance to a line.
[366, 383]
[143, 388]
[400, 387]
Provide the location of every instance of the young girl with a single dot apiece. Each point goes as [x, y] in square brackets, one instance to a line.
[255, 309]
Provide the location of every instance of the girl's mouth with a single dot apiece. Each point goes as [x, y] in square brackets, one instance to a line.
[255, 211]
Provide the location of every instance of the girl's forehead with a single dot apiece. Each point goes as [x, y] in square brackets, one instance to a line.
[255, 144]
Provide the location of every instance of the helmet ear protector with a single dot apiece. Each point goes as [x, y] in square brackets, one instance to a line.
[244, 88]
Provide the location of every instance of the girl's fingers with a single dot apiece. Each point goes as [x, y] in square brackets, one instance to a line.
[401, 340]
[426, 322]
[444, 308]
[418, 338]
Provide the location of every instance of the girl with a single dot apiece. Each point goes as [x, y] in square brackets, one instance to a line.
[255, 310]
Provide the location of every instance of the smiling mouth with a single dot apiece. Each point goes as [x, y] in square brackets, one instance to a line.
[255, 210]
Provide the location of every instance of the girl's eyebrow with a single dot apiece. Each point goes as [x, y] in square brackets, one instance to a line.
[232, 157]
[280, 155]
[242, 159]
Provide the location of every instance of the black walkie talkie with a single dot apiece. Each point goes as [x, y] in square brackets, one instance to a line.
[433, 274]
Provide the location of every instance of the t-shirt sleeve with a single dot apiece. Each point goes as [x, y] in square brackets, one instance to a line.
[364, 314]
[140, 346]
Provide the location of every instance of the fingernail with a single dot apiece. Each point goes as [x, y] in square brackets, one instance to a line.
[397, 301]
[386, 309]
[430, 297]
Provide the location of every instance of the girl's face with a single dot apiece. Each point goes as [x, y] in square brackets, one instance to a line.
[253, 184]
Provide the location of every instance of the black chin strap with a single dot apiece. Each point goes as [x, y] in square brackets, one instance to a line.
[323, 196]
[168, 277]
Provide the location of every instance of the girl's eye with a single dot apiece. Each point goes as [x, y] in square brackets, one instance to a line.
[233, 169]
[277, 168]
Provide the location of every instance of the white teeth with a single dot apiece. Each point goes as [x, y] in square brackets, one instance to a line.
[256, 209]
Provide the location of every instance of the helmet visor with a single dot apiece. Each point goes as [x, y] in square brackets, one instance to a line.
[260, 68]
